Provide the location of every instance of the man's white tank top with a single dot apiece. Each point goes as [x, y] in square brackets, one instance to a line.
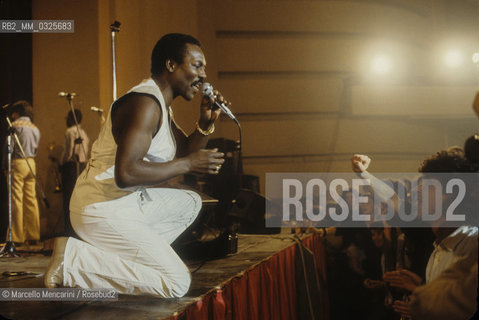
[97, 181]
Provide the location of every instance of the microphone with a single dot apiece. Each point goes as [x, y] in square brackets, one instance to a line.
[67, 94]
[207, 90]
[95, 109]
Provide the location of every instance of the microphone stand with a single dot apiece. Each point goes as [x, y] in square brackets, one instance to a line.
[9, 249]
[239, 166]
[230, 235]
[114, 27]
[100, 113]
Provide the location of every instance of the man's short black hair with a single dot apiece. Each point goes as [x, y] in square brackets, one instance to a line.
[170, 46]
[71, 120]
[23, 108]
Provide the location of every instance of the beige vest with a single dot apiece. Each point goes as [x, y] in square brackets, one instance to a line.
[97, 181]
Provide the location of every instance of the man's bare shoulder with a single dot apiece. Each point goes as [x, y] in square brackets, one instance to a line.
[134, 102]
[135, 110]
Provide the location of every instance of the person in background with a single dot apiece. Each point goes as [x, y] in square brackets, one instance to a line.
[454, 256]
[471, 151]
[74, 161]
[25, 212]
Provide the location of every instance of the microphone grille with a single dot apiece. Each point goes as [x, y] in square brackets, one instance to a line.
[207, 89]
[96, 109]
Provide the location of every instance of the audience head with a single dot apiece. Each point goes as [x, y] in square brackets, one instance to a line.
[445, 161]
[471, 150]
[456, 150]
[377, 236]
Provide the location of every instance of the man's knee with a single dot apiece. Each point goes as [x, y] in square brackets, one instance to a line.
[198, 203]
[183, 286]
[179, 284]
[194, 200]
[193, 203]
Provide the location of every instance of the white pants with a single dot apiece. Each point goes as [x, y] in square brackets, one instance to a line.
[127, 243]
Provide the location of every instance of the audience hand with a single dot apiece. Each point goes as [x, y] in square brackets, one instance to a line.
[403, 308]
[403, 279]
[360, 162]
[373, 284]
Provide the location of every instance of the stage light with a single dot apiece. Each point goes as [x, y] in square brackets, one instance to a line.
[381, 64]
[475, 57]
[453, 58]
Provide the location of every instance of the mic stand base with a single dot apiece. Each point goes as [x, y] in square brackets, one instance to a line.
[8, 251]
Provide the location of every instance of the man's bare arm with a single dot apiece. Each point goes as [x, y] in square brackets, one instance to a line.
[134, 125]
[360, 164]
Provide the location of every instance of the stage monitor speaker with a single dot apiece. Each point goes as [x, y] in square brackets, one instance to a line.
[249, 211]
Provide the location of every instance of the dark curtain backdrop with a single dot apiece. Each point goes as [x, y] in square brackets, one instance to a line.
[15, 80]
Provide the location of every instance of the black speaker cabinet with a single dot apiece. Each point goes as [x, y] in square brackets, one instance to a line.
[249, 212]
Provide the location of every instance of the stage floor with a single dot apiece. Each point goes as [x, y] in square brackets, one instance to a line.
[252, 249]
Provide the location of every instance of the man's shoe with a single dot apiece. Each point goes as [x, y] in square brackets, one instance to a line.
[54, 275]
